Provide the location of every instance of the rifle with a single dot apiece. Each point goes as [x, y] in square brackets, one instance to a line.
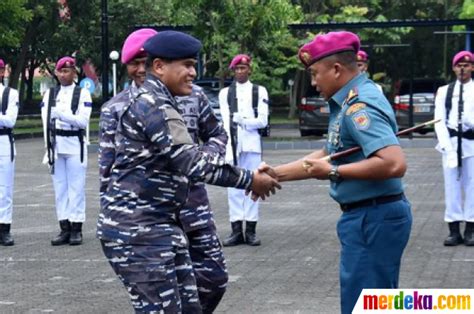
[352, 150]
[232, 125]
[459, 135]
[51, 132]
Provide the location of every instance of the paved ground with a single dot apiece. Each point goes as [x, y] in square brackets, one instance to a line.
[294, 271]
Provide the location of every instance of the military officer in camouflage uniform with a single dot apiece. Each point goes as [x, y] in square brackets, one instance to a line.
[134, 57]
[8, 115]
[155, 163]
[196, 217]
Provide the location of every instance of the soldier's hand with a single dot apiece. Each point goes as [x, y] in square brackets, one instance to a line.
[264, 167]
[317, 168]
[263, 185]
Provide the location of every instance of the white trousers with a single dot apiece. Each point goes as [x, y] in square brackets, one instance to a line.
[455, 190]
[69, 181]
[241, 207]
[7, 171]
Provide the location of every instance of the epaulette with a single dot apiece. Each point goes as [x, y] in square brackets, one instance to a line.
[353, 93]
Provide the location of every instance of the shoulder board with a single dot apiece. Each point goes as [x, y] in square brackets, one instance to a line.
[357, 106]
[351, 96]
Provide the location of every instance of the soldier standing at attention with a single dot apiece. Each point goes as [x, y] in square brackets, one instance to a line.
[196, 216]
[8, 115]
[156, 161]
[244, 109]
[65, 112]
[456, 112]
[376, 217]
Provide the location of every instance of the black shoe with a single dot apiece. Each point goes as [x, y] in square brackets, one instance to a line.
[6, 238]
[250, 234]
[237, 236]
[64, 235]
[454, 237]
[469, 234]
[76, 233]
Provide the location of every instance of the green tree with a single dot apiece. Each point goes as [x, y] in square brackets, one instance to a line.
[14, 15]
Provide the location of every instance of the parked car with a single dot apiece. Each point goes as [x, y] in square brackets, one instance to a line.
[211, 88]
[424, 90]
[313, 110]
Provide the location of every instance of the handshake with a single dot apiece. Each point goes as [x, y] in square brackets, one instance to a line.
[265, 181]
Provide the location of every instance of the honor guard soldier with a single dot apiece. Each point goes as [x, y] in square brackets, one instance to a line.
[65, 112]
[376, 217]
[454, 105]
[155, 163]
[363, 64]
[8, 115]
[244, 110]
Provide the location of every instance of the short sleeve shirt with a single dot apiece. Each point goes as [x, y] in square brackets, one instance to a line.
[361, 116]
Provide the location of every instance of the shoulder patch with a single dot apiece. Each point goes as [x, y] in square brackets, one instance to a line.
[177, 127]
[361, 120]
[355, 107]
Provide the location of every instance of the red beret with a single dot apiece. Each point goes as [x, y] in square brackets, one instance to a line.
[2, 63]
[133, 45]
[362, 56]
[463, 56]
[324, 45]
[65, 62]
[244, 59]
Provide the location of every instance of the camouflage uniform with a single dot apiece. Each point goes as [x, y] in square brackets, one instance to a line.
[196, 216]
[109, 117]
[155, 163]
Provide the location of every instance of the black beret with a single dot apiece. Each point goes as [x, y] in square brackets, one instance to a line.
[172, 45]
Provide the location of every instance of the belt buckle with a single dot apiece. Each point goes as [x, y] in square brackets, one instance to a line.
[344, 207]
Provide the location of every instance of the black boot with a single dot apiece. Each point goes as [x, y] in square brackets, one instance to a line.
[454, 237]
[237, 236]
[64, 235]
[76, 233]
[5, 236]
[250, 234]
[469, 234]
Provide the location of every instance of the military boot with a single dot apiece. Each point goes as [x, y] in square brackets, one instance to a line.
[76, 233]
[64, 234]
[454, 237]
[237, 236]
[250, 234]
[469, 234]
[5, 236]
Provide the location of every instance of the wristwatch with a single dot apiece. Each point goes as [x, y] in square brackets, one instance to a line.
[334, 175]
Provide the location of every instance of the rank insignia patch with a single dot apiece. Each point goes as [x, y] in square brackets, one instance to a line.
[361, 120]
[355, 107]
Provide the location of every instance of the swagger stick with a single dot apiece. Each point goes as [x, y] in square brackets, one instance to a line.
[356, 149]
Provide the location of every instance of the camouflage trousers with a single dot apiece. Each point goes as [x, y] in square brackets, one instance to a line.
[159, 279]
[209, 266]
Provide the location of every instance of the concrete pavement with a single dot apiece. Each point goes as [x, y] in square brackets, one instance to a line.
[294, 271]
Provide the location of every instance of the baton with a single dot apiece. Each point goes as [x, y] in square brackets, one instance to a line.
[352, 150]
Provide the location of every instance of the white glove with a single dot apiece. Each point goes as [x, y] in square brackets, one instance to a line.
[452, 160]
[469, 123]
[54, 113]
[237, 118]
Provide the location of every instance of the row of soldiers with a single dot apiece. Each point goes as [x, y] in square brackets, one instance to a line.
[159, 140]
